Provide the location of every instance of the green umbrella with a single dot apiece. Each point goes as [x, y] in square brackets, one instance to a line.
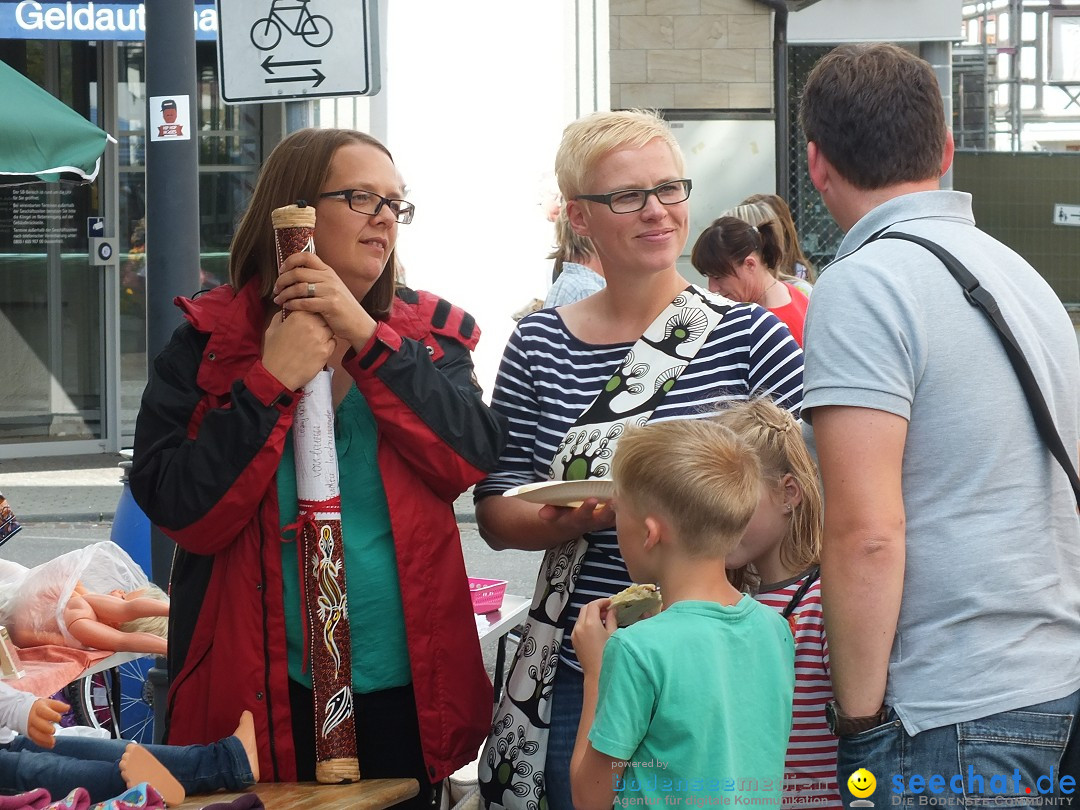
[43, 139]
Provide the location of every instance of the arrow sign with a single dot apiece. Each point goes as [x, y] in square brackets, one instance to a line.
[312, 49]
[268, 64]
[315, 74]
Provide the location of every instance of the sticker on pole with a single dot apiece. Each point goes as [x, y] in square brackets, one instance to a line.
[170, 118]
[282, 50]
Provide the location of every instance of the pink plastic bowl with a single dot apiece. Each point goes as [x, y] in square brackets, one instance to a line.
[487, 594]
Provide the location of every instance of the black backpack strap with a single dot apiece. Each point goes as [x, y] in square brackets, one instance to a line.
[979, 296]
[811, 578]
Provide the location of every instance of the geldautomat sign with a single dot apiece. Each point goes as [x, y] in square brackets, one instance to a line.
[31, 19]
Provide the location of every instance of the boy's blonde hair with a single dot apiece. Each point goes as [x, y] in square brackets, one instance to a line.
[588, 139]
[155, 625]
[777, 441]
[695, 472]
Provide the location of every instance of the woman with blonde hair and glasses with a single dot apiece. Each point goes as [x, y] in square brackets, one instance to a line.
[648, 346]
[214, 468]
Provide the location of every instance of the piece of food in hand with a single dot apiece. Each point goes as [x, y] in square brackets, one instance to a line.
[634, 602]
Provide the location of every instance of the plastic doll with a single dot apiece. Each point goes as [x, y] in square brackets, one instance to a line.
[93, 597]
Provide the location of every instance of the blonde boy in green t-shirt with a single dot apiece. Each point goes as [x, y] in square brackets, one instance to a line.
[692, 706]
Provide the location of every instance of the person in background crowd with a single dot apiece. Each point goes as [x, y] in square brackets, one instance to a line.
[578, 272]
[795, 263]
[740, 259]
[759, 214]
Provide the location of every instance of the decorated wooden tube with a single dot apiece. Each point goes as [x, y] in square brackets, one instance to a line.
[294, 230]
[320, 544]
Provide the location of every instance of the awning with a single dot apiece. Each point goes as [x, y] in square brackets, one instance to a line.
[43, 139]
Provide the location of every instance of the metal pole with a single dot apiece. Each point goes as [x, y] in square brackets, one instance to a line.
[172, 227]
[939, 55]
[780, 95]
[172, 195]
[1016, 41]
[989, 96]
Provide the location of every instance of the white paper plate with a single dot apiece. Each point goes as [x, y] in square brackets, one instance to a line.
[564, 493]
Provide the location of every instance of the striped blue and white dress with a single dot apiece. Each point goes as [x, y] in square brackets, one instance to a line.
[548, 377]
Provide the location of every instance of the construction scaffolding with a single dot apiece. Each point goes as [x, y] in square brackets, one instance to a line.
[1016, 76]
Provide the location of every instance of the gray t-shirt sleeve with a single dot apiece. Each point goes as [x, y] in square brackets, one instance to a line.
[865, 338]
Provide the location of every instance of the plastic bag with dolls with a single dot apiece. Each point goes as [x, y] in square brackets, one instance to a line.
[84, 599]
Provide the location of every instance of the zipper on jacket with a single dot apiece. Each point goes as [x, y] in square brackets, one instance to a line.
[266, 647]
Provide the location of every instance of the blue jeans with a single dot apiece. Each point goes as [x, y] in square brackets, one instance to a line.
[566, 703]
[93, 764]
[1003, 755]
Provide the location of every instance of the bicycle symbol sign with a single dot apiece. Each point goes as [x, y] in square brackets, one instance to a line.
[314, 29]
[277, 50]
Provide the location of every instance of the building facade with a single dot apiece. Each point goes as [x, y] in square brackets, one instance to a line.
[488, 84]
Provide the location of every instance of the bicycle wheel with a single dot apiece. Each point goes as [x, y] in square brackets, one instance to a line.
[136, 701]
[265, 33]
[317, 31]
[89, 701]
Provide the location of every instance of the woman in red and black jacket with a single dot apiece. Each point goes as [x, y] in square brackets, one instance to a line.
[214, 468]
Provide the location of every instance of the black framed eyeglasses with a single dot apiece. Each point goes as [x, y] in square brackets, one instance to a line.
[370, 203]
[630, 200]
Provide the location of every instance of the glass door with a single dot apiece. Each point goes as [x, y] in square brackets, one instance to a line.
[229, 157]
[51, 298]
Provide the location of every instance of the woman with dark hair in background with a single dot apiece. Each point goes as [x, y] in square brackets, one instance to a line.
[740, 259]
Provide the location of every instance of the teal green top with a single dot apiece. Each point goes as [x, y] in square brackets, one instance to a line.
[697, 702]
[380, 656]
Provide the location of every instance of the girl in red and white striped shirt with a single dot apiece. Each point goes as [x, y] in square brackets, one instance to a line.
[777, 561]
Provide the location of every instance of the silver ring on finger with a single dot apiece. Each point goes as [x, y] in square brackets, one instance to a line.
[311, 289]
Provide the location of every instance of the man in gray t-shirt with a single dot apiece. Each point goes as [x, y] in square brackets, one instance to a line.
[951, 558]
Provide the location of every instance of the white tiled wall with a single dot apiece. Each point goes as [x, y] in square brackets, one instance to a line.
[691, 54]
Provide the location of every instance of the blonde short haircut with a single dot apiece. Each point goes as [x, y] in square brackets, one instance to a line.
[696, 473]
[591, 137]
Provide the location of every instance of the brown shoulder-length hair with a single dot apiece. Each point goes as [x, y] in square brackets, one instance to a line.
[296, 170]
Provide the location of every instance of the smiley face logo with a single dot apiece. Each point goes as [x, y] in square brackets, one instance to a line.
[862, 783]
